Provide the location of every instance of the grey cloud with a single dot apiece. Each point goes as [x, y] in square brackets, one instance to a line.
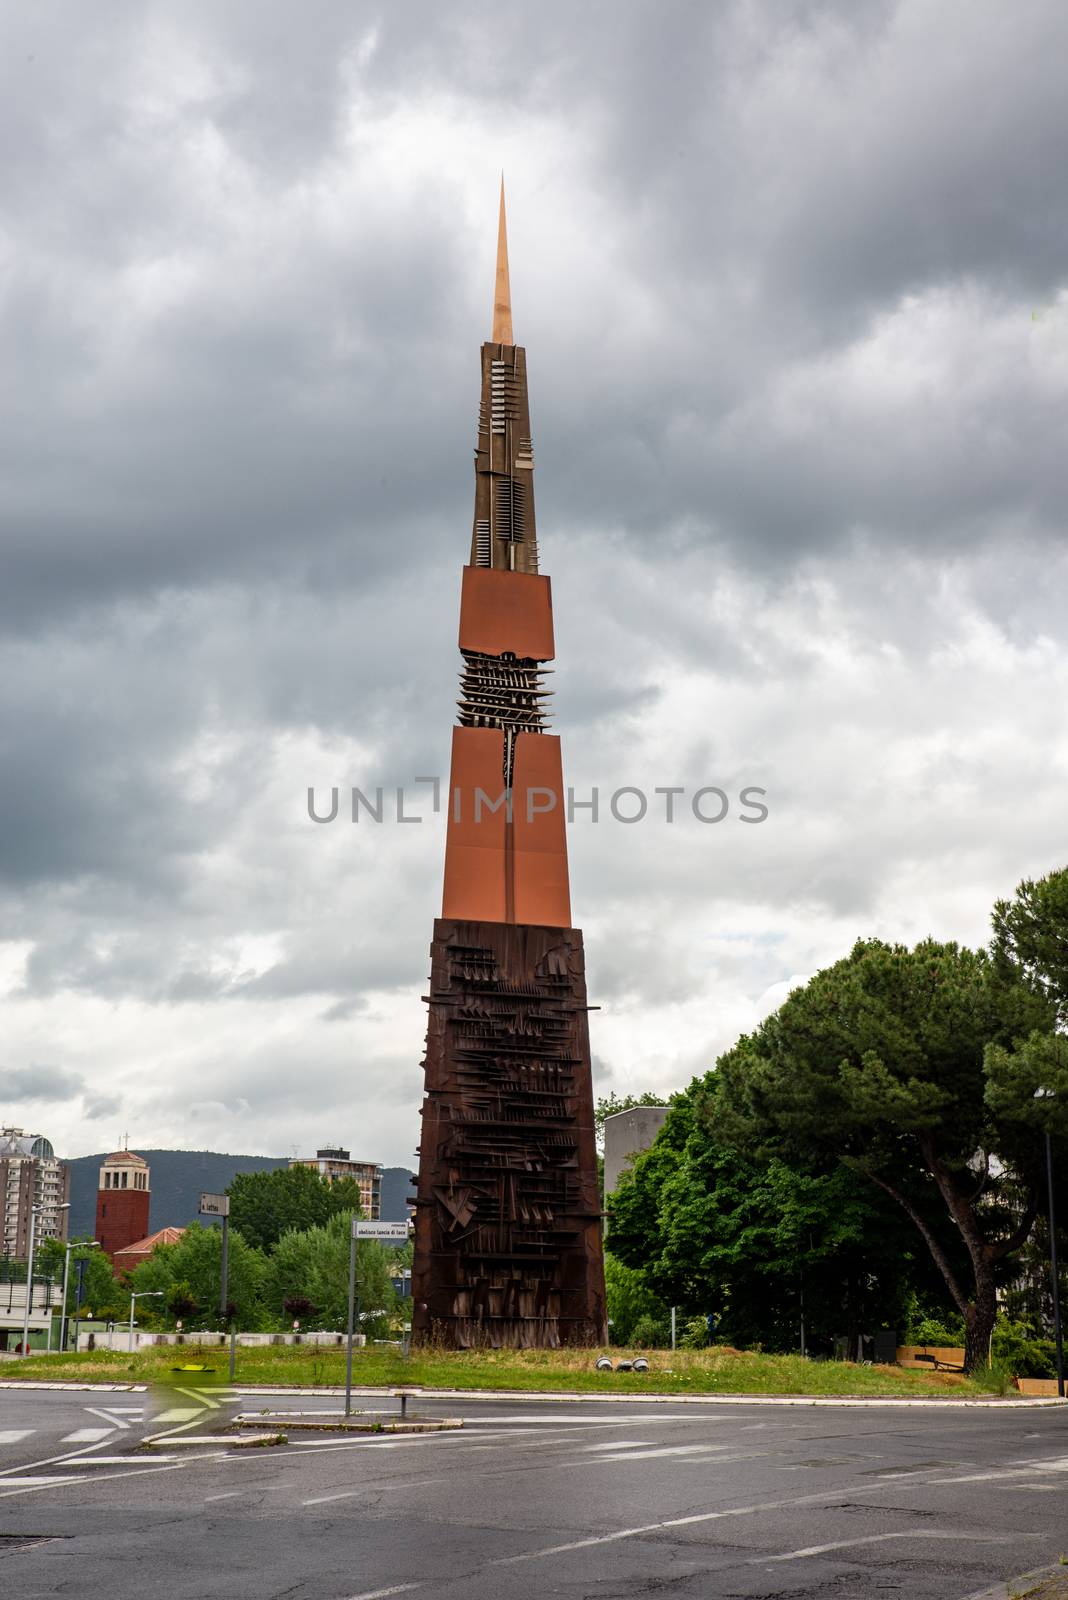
[800, 488]
[39, 1081]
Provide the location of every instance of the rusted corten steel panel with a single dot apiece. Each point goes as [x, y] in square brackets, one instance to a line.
[506, 611]
[475, 851]
[506, 856]
[508, 1217]
[540, 890]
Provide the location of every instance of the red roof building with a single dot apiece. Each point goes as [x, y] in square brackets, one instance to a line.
[132, 1255]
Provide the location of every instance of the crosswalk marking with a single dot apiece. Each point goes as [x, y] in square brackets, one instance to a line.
[116, 1422]
[13, 1435]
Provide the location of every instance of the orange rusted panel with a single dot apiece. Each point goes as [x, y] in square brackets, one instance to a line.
[541, 894]
[475, 852]
[506, 611]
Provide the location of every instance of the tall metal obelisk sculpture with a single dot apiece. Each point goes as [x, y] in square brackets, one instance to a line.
[508, 1223]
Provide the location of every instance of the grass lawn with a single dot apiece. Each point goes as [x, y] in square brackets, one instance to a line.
[715, 1371]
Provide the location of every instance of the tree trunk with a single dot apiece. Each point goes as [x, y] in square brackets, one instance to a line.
[979, 1324]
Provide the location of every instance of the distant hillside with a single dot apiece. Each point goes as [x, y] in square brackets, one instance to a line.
[179, 1177]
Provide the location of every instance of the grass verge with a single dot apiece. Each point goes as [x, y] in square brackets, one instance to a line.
[719, 1370]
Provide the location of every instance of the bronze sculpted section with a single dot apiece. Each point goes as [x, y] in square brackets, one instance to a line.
[508, 1224]
[508, 1216]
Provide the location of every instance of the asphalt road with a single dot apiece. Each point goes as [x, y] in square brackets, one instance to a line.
[583, 1499]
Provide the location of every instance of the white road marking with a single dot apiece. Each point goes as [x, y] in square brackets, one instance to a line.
[1053, 1464]
[657, 1454]
[205, 1399]
[965, 1536]
[380, 1594]
[13, 1435]
[683, 1522]
[37, 1482]
[86, 1435]
[178, 1414]
[113, 1461]
[35, 1485]
[367, 1488]
[116, 1422]
[621, 1444]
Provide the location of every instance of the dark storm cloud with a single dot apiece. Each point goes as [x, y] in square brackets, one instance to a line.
[801, 481]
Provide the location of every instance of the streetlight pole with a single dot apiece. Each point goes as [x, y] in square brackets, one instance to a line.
[143, 1294]
[1058, 1340]
[29, 1285]
[77, 1244]
[35, 1212]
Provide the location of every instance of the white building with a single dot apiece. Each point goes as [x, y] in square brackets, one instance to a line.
[332, 1163]
[30, 1175]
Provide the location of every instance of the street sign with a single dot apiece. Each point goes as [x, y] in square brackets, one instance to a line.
[384, 1232]
[215, 1205]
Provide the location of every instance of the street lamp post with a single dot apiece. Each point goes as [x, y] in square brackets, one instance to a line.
[142, 1294]
[1058, 1338]
[87, 1244]
[35, 1212]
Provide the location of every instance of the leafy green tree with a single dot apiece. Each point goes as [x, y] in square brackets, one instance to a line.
[882, 1063]
[181, 1303]
[630, 1300]
[756, 1242]
[313, 1266]
[192, 1268]
[1031, 937]
[102, 1294]
[265, 1205]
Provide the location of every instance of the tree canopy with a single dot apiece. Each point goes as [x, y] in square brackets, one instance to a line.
[893, 1063]
[265, 1205]
[761, 1245]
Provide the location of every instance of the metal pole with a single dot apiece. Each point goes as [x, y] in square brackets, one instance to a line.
[225, 1273]
[352, 1316]
[133, 1297]
[63, 1318]
[673, 1327]
[29, 1284]
[803, 1350]
[79, 1295]
[1058, 1339]
[48, 1308]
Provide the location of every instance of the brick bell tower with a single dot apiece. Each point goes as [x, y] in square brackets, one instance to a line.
[508, 1214]
[123, 1199]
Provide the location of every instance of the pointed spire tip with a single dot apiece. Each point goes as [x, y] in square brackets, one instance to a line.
[502, 298]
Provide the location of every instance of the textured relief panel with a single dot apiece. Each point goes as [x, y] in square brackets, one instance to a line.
[508, 1225]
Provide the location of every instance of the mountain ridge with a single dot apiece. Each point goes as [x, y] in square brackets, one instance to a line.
[179, 1177]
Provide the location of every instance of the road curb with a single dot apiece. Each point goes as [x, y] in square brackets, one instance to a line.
[564, 1397]
[99, 1388]
[311, 1422]
[596, 1397]
[1021, 1585]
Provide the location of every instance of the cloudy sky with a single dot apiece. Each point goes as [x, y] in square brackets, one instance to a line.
[793, 282]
